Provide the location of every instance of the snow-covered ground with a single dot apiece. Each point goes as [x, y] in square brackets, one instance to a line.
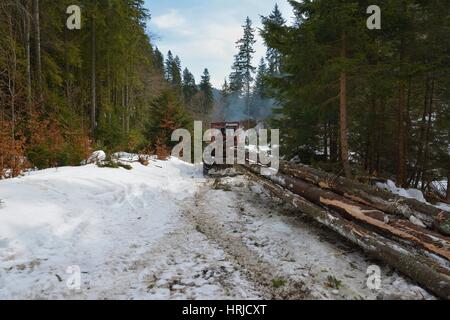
[106, 221]
[165, 232]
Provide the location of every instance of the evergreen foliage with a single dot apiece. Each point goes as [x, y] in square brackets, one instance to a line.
[396, 86]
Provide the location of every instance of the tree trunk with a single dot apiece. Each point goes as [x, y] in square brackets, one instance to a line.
[343, 113]
[93, 75]
[325, 142]
[12, 76]
[27, 22]
[411, 263]
[37, 47]
[428, 137]
[448, 187]
[401, 152]
[124, 115]
[370, 162]
[381, 125]
[381, 200]
[127, 101]
[333, 144]
[247, 102]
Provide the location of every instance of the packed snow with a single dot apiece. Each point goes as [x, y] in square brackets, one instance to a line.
[96, 157]
[102, 220]
[164, 231]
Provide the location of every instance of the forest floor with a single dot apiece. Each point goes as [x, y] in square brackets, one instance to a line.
[166, 232]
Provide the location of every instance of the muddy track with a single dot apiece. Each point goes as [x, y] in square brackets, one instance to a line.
[268, 280]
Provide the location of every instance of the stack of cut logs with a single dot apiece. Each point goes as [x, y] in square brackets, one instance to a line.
[411, 236]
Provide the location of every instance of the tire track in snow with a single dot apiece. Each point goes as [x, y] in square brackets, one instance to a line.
[260, 272]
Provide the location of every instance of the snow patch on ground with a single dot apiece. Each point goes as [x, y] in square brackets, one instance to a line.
[410, 194]
[407, 193]
[443, 206]
[416, 221]
[96, 156]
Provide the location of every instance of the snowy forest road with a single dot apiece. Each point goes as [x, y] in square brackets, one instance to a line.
[166, 232]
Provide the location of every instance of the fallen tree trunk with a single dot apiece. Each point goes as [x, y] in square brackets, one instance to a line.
[382, 200]
[375, 219]
[425, 271]
[447, 198]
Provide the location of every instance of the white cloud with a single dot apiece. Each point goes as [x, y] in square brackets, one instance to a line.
[171, 20]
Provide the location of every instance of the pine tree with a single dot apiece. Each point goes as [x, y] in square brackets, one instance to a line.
[273, 56]
[241, 78]
[158, 60]
[207, 92]
[189, 87]
[259, 102]
[176, 72]
[260, 89]
[225, 91]
[236, 82]
[169, 67]
[167, 114]
[224, 102]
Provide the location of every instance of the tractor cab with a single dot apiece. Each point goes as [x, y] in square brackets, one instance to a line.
[223, 127]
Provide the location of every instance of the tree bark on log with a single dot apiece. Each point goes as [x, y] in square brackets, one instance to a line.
[448, 187]
[425, 271]
[365, 215]
[382, 200]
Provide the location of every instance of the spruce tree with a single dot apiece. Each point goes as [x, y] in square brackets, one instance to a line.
[167, 114]
[158, 60]
[273, 56]
[189, 87]
[169, 67]
[225, 91]
[241, 78]
[260, 89]
[224, 101]
[207, 91]
[176, 72]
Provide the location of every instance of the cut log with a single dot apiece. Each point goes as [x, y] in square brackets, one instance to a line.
[382, 200]
[448, 188]
[426, 272]
[363, 214]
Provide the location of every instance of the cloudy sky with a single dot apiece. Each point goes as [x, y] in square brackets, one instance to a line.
[203, 32]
